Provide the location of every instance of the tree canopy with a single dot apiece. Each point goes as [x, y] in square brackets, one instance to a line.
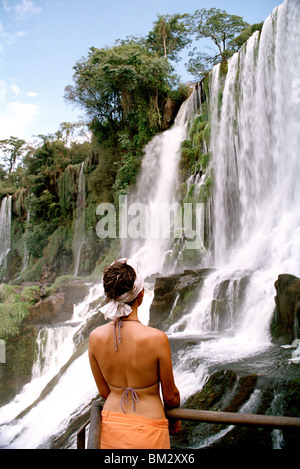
[222, 28]
[169, 36]
[121, 85]
[12, 148]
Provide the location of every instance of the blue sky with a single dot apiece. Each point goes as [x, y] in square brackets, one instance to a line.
[41, 40]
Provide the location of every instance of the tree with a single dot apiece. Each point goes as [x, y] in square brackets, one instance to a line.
[67, 130]
[221, 28]
[169, 36]
[120, 87]
[12, 148]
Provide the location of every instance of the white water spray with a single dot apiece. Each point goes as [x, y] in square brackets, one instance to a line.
[79, 231]
[5, 232]
[156, 187]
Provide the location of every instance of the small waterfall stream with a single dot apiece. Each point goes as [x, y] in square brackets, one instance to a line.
[156, 190]
[79, 231]
[5, 233]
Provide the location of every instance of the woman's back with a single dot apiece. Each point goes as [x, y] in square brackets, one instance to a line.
[134, 365]
[129, 362]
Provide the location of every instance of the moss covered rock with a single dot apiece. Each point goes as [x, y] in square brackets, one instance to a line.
[286, 321]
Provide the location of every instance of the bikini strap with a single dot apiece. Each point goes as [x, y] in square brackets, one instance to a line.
[120, 324]
[125, 396]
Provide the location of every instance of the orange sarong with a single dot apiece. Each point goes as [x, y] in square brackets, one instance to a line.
[130, 431]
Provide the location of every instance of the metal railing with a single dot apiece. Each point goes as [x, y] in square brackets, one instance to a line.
[230, 418]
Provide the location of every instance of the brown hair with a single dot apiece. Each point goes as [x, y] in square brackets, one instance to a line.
[118, 278]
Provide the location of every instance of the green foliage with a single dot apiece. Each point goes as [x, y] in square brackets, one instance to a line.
[36, 237]
[127, 173]
[60, 239]
[47, 160]
[116, 86]
[14, 304]
[50, 194]
[169, 36]
[188, 158]
[239, 40]
[6, 188]
[101, 177]
[12, 148]
[33, 271]
[222, 28]
[67, 188]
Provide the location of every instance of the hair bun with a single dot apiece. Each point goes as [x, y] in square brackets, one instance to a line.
[118, 279]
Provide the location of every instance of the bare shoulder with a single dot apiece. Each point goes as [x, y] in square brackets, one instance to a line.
[158, 336]
[98, 333]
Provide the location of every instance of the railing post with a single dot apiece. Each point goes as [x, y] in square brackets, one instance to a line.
[95, 426]
[81, 436]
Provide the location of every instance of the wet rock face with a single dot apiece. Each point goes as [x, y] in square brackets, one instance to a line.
[16, 371]
[226, 391]
[51, 310]
[175, 293]
[286, 322]
[58, 307]
[21, 350]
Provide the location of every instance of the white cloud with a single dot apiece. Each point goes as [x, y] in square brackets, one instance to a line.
[15, 89]
[2, 91]
[21, 10]
[32, 94]
[26, 9]
[17, 119]
[22, 33]
[9, 37]
[18, 116]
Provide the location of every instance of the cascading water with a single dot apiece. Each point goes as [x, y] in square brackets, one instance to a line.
[54, 345]
[79, 231]
[255, 146]
[5, 233]
[255, 141]
[61, 385]
[156, 190]
[26, 255]
[256, 233]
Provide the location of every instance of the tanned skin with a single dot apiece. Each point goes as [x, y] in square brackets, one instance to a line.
[143, 359]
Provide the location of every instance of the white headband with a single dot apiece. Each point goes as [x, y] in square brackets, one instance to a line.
[118, 308]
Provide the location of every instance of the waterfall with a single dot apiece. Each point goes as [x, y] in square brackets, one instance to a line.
[26, 255]
[5, 233]
[255, 141]
[156, 190]
[255, 146]
[79, 231]
[54, 344]
[255, 219]
[61, 384]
